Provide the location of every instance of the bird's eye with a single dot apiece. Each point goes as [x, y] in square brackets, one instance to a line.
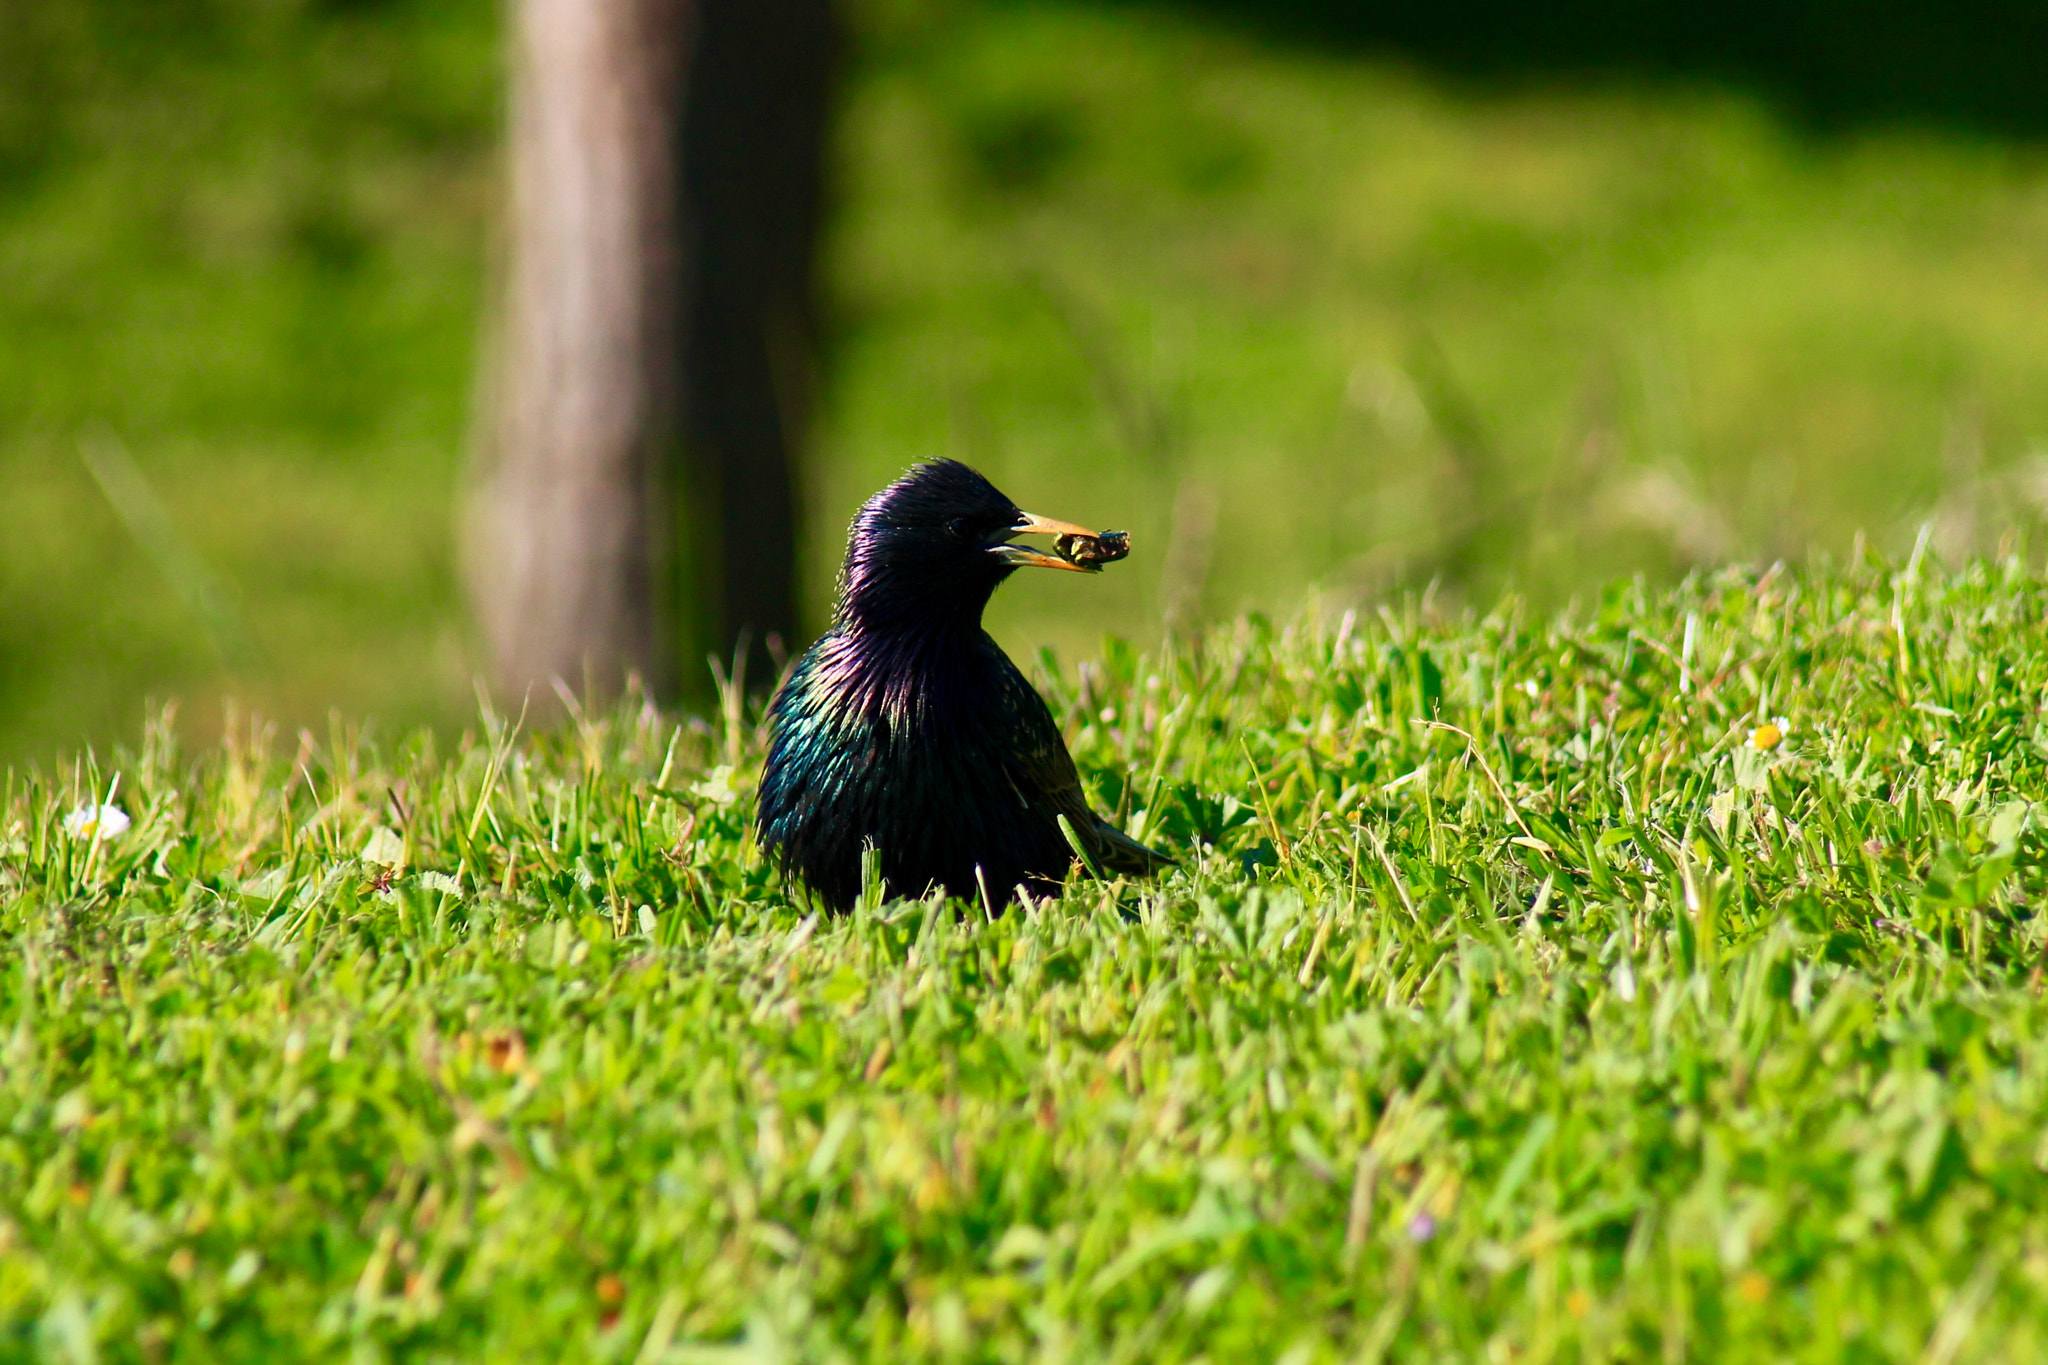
[958, 528]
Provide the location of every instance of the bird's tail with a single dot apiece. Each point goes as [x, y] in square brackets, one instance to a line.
[1112, 851]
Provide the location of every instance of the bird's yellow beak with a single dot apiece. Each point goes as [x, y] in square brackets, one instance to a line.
[1032, 524]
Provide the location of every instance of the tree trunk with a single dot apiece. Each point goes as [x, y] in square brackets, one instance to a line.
[760, 88]
[666, 162]
[570, 566]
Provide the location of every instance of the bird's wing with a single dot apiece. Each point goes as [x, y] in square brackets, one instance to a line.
[1044, 772]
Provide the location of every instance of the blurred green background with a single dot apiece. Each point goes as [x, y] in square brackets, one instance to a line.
[1301, 316]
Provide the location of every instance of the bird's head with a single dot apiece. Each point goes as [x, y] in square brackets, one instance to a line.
[933, 545]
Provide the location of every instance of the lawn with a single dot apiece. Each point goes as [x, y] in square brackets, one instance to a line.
[1529, 990]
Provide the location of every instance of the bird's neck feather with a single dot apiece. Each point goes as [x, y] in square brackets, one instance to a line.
[899, 611]
[903, 667]
[897, 645]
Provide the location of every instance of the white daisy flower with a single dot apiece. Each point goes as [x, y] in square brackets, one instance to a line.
[1769, 735]
[97, 822]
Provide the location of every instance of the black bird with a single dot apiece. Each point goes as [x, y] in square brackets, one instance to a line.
[906, 727]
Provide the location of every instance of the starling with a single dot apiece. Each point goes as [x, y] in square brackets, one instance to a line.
[907, 728]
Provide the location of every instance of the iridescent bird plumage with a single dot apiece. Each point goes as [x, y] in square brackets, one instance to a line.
[906, 728]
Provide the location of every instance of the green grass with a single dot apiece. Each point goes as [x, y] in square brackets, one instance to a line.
[1292, 320]
[1571, 1026]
